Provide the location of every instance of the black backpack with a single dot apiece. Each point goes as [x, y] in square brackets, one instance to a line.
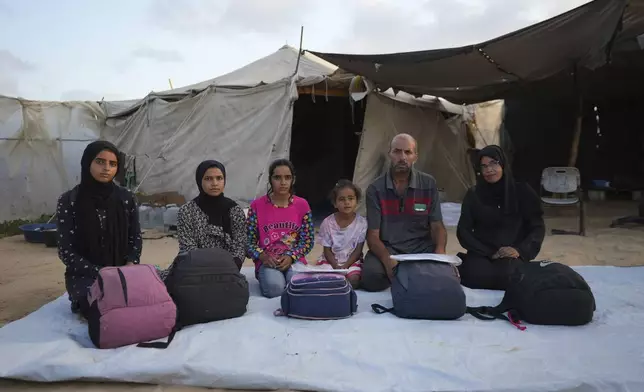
[206, 286]
[543, 292]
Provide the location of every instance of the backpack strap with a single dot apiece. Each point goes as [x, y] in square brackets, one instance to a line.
[162, 345]
[379, 309]
[481, 313]
[73, 194]
[487, 313]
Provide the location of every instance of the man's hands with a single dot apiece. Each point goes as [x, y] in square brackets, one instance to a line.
[440, 251]
[389, 267]
[506, 252]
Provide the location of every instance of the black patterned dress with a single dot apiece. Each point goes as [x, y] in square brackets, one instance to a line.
[195, 232]
[81, 272]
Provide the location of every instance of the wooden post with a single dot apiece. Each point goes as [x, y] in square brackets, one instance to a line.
[574, 150]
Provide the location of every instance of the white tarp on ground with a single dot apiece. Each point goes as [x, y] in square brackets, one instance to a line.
[367, 352]
[245, 129]
[442, 148]
[41, 144]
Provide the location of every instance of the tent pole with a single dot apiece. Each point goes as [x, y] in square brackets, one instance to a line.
[574, 151]
[299, 52]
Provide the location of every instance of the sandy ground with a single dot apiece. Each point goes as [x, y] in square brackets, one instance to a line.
[32, 274]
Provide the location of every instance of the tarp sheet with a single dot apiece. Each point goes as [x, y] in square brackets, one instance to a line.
[270, 69]
[482, 72]
[487, 119]
[274, 68]
[245, 129]
[442, 149]
[367, 352]
[41, 144]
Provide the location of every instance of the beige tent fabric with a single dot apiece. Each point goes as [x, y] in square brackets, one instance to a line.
[441, 147]
[487, 118]
[269, 69]
[41, 144]
[244, 129]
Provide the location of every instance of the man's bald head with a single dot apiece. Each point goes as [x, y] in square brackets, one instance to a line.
[402, 152]
[405, 137]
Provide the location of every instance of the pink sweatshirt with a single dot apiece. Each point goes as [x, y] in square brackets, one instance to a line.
[280, 230]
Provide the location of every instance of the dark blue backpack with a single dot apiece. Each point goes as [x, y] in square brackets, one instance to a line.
[428, 290]
[319, 296]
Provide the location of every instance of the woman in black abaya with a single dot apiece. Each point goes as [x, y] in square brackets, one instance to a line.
[98, 223]
[501, 224]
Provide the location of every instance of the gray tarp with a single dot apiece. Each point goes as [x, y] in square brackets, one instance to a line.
[485, 71]
[245, 129]
[41, 144]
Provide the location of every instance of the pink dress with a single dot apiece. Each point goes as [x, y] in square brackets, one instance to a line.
[280, 230]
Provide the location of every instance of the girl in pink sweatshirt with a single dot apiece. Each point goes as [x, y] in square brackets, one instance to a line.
[280, 230]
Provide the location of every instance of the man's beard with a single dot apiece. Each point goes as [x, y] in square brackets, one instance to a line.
[401, 168]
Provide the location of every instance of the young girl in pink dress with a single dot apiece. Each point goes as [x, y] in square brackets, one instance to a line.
[280, 230]
[343, 233]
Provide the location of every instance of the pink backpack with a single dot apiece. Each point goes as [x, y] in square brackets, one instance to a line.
[129, 305]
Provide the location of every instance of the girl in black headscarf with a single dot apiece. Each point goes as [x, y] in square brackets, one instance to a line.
[98, 223]
[501, 223]
[211, 220]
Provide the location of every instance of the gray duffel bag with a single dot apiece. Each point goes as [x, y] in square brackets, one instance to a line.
[428, 290]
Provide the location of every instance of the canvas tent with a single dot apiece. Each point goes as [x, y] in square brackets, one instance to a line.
[247, 122]
[41, 144]
[245, 118]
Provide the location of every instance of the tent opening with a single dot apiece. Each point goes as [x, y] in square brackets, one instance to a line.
[324, 145]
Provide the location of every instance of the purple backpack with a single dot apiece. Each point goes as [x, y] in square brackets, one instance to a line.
[323, 296]
[129, 305]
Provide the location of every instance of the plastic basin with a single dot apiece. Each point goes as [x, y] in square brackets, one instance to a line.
[34, 232]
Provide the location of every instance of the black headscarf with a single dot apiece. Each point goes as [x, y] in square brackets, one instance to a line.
[217, 208]
[107, 246]
[503, 192]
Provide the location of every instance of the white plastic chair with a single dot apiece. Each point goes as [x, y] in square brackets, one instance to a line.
[564, 185]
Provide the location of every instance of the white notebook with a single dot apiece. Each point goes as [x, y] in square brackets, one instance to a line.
[314, 269]
[450, 259]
